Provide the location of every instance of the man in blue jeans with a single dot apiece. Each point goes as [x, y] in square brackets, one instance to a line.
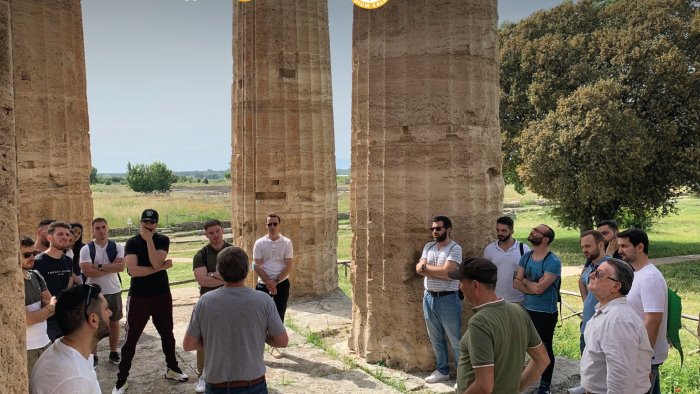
[442, 307]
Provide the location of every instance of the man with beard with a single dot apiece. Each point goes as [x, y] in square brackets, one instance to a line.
[42, 232]
[66, 366]
[593, 248]
[56, 268]
[506, 254]
[442, 307]
[648, 296]
[609, 230]
[538, 277]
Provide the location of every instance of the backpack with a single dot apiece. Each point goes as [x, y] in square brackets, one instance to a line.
[522, 249]
[673, 322]
[557, 282]
[111, 253]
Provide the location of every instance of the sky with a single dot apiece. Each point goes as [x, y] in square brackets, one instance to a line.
[159, 79]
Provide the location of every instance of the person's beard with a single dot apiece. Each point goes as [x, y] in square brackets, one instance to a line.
[102, 329]
[534, 241]
[442, 237]
[503, 239]
[593, 256]
[45, 242]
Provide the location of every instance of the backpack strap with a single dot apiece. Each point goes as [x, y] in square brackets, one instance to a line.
[522, 248]
[91, 246]
[111, 251]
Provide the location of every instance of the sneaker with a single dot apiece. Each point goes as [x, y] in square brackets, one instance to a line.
[114, 358]
[456, 384]
[175, 374]
[437, 376]
[276, 353]
[201, 386]
[543, 390]
[577, 390]
[94, 361]
[120, 387]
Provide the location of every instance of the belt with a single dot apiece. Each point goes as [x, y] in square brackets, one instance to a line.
[440, 293]
[237, 383]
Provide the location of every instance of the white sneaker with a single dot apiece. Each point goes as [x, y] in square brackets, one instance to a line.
[201, 386]
[436, 376]
[456, 384]
[176, 375]
[120, 390]
[577, 390]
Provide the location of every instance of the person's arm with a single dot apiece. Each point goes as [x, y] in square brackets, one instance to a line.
[518, 281]
[190, 343]
[136, 270]
[269, 283]
[91, 270]
[288, 263]
[483, 381]
[440, 271]
[155, 256]
[204, 280]
[652, 322]
[419, 267]
[279, 340]
[540, 286]
[44, 313]
[583, 290]
[539, 360]
[115, 266]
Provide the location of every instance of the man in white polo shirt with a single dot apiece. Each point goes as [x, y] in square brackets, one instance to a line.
[505, 254]
[273, 254]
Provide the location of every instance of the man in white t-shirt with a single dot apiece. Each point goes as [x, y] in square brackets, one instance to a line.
[101, 260]
[505, 254]
[648, 296]
[66, 366]
[273, 254]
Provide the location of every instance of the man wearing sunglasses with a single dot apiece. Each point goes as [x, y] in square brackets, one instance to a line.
[66, 366]
[38, 303]
[145, 257]
[442, 307]
[617, 356]
[273, 254]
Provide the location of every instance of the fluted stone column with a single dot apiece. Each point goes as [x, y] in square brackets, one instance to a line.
[425, 141]
[53, 144]
[13, 364]
[283, 145]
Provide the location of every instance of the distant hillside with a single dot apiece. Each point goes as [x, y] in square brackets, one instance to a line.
[340, 171]
[203, 174]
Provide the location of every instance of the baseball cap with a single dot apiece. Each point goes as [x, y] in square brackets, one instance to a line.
[475, 268]
[150, 214]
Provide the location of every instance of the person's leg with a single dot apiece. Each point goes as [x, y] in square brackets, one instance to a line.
[200, 361]
[449, 311]
[545, 323]
[162, 312]
[114, 301]
[260, 388]
[436, 334]
[282, 297]
[138, 312]
[655, 380]
[32, 356]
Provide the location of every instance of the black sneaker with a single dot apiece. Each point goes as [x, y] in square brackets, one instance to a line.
[543, 389]
[114, 358]
[94, 361]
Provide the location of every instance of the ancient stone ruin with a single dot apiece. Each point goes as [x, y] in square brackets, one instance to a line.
[425, 141]
[283, 145]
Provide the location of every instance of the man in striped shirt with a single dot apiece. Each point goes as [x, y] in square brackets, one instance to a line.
[442, 307]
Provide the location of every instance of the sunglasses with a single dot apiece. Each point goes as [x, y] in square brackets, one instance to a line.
[597, 274]
[436, 228]
[272, 224]
[87, 299]
[27, 255]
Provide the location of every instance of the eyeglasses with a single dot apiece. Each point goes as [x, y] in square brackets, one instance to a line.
[27, 255]
[272, 224]
[598, 274]
[436, 228]
[87, 299]
[538, 231]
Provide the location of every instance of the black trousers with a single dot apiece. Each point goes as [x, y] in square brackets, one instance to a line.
[280, 298]
[545, 323]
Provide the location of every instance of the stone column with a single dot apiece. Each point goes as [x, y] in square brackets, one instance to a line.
[425, 142]
[13, 365]
[283, 145]
[53, 144]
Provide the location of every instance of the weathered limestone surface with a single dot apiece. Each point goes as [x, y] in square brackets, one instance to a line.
[51, 114]
[283, 145]
[13, 370]
[425, 141]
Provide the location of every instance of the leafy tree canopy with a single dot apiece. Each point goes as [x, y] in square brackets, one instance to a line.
[600, 107]
[149, 178]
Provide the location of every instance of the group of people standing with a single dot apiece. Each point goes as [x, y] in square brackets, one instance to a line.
[514, 290]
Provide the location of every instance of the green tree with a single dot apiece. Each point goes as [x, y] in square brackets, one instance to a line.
[600, 110]
[93, 176]
[149, 178]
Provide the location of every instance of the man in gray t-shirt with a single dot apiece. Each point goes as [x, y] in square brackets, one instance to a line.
[232, 325]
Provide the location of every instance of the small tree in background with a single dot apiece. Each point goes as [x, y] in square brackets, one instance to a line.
[149, 178]
[93, 176]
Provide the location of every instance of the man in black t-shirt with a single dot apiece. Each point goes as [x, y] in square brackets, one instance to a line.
[56, 269]
[145, 256]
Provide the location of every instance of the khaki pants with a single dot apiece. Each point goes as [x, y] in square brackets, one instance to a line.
[32, 356]
[200, 361]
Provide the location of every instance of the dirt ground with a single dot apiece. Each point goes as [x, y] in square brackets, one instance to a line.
[303, 369]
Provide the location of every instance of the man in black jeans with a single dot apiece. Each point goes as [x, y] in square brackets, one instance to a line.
[538, 278]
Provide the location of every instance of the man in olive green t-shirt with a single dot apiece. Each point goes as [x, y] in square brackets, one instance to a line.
[492, 351]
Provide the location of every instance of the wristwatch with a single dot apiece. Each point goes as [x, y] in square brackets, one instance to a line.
[99, 266]
[211, 274]
[422, 267]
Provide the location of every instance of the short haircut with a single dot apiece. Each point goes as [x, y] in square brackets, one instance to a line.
[212, 223]
[53, 226]
[636, 236]
[232, 264]
[26, 242]
[70, 306]
[476, 268]
[274, 215]
[549, 234]
[505, 220]
[444, 219]
[597, 236]
[624, 273]
[45, 222]
[610, 223]
[98, 220]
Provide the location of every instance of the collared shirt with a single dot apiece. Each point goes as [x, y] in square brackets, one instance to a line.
[617, 356]
[437, 256]
[507, 263]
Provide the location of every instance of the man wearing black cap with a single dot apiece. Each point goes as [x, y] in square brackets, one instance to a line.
[145, 257]
[492, 350]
